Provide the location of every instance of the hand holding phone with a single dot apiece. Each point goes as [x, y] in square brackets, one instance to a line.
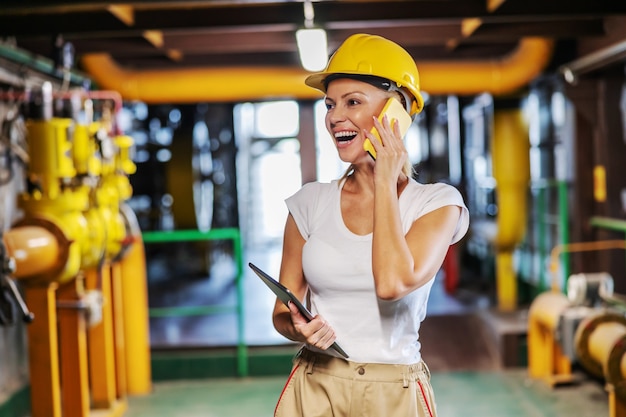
[396, 114]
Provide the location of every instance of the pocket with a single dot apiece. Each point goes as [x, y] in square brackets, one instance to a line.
[427, 395]
[286, 401]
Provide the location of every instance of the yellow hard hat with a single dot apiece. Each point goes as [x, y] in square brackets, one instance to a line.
[363, 54]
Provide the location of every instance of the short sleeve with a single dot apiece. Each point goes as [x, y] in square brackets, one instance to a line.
[301, 206]
[430, 197]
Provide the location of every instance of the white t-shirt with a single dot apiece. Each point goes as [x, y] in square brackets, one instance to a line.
[337, 265]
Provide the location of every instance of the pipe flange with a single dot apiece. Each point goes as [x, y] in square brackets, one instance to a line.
[583, 334]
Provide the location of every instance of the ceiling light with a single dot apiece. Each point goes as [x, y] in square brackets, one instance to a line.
[313, 49]
[312, 42]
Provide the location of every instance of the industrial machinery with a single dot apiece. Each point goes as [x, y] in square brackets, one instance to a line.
[78, 255]
[584, 325]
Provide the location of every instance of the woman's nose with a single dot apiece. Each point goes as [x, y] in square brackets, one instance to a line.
[337, 114]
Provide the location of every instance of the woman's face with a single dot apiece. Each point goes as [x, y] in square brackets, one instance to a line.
[351, 105]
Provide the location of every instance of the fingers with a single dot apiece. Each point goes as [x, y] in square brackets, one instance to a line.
[316, 333]
[323, 337]
[390, 135]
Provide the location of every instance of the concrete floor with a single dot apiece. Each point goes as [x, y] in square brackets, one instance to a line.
[468, 375]
[459, 394]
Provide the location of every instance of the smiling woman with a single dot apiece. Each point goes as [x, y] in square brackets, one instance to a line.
[363, 250]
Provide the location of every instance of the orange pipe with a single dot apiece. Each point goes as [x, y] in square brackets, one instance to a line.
[34, 249]
[496, 76]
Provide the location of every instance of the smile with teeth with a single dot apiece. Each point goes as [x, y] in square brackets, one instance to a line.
[345, 136]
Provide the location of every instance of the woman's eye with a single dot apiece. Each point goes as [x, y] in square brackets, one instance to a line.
[329, 106]
[353, 102]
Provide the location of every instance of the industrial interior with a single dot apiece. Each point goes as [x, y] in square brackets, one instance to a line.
[147, 148]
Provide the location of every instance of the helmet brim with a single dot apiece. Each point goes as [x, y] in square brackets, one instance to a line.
[318, 81]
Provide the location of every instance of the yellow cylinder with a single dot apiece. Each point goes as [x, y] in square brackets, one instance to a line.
[64, 217]
[84, 150]
[35, 250]
[51, 160]
[135, 307]
[603, 338]
[598, 342]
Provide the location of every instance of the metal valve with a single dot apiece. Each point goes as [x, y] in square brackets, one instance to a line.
[10, 297]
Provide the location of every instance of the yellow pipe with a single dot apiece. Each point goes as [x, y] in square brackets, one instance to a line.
[506, 281]
[511, 169]
[496, 76]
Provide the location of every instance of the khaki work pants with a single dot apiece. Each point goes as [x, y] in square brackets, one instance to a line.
[324, 386]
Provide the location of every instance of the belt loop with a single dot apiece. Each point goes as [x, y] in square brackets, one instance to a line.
[310, 361]
[426, 369]
[410, 373]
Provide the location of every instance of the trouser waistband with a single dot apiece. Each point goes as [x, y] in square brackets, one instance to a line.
[318, 362]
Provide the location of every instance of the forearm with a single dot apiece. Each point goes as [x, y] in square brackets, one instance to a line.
[392, 261]
[283, 325]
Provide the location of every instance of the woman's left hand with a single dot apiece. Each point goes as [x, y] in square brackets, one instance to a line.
[391, 154]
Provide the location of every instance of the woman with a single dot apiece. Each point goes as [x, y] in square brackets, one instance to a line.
[364, 250]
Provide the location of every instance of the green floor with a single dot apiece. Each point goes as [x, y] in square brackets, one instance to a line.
[459, 394]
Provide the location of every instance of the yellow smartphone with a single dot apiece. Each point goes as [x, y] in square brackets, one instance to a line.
[396, 113]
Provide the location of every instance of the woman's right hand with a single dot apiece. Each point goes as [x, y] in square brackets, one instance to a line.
[317, 332]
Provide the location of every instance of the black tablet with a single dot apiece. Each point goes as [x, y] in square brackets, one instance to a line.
[285, 296]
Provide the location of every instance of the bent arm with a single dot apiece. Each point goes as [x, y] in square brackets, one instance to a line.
[403, 263]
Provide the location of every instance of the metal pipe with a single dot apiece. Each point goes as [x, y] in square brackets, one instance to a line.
[579, 247]
[588, 63]
[39, 64]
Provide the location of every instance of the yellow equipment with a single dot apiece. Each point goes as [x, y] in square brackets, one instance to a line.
[69, 250]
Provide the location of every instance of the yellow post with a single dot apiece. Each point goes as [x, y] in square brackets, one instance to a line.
[118, 329]
[506, 281]
[43, 350]
[511, 169]
[101, 344]
[73, 352]
[136, 321]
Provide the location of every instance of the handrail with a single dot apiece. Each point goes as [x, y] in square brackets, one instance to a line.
[609, 223]
[229, 233]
